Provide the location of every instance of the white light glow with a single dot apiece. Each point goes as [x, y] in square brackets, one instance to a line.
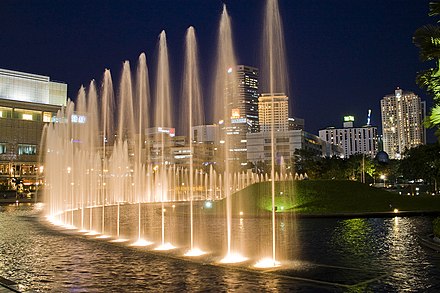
[233, 257]
[165, 246]
[141, 242]
[267, 263]
[27, 117]
[91, 233]
[195, 252]
[119, 240]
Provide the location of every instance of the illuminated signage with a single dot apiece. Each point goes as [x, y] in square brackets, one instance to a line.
[239, 120]
[78, 119]
[348, 118]
[170, 131]
[235, 113]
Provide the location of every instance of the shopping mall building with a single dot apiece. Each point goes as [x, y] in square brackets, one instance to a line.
[27, 103]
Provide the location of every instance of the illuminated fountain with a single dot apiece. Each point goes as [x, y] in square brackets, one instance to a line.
[193, 100]
[275, 70]
[102, 177]
[224, 94]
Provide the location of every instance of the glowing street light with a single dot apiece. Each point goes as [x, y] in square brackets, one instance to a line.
[384, 178]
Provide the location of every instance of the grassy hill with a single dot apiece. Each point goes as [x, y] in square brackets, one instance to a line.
[324, 197]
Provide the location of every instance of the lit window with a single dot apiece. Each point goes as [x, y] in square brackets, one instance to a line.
[47, 117]
[27, 117]
[27, 149]
[2, 148]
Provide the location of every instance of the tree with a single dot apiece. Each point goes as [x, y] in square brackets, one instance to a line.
[422, 162]
[427, 39]
[305, 161]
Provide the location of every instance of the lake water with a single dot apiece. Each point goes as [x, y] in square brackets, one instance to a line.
[323, 255]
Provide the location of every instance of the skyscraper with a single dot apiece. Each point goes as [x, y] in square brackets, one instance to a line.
[246, 98]
[243, 111]
[402, 122]
[280, 104]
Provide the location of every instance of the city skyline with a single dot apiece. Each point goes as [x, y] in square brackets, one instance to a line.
[343, 55]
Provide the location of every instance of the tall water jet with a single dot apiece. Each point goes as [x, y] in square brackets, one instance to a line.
[81, 135]
[107, 136]
[163, 119]
[91, 128]
[276, 81]
[192, 101]
[224, 92]
[142, 103]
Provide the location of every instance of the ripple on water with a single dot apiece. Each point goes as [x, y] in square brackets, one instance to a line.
[44, 260]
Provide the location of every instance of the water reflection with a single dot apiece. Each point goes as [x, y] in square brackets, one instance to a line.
[360, 254]
[353, 237]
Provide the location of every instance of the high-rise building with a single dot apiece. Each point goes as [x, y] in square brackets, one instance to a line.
[276, 104]
[353, 140]
[402, 122]
[243, 111]
[27, 103]
[246, 97]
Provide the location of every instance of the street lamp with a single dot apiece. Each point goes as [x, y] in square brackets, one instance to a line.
[384, 178]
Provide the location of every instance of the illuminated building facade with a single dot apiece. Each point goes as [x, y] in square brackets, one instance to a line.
[27, 103]
[243, 112]
[277, 105]
[353, 140]
[402, 122]
[259, 146]
[246, 97]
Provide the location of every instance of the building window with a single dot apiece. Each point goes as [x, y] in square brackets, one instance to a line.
[2, 148]
[5, 112]
[282, 139]
[27, 149]
[47, 117]
[27, 115]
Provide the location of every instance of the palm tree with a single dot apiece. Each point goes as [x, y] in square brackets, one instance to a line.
[427, 39]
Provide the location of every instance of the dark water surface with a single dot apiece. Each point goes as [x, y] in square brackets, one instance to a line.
[325, 255]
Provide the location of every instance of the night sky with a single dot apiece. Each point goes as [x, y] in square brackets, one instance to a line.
[343, 56]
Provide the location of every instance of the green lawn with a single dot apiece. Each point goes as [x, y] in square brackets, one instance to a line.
[324, 197]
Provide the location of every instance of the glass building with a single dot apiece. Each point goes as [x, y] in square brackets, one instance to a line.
[27, 103]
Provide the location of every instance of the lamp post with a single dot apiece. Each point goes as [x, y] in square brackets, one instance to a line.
[384, 178]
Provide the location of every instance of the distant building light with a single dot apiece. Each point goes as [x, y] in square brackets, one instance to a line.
[348, 118]
[229, 70]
